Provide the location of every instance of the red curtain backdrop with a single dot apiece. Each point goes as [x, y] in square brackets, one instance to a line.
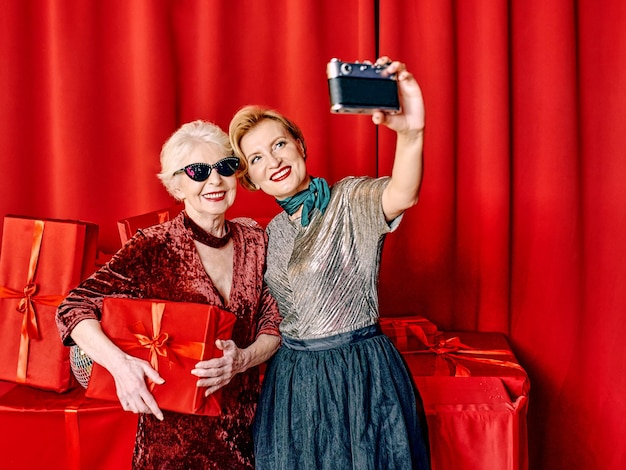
[521, 223]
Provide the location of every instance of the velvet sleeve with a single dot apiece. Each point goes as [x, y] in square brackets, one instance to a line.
[117, 278]
[269, 317]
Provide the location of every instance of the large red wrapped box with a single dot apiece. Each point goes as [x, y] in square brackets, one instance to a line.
[411, 332]
[173, 336]
[63, 431]
[475, 354]
[475, 395]
[40, 262]
[129, 226]
[473, 423]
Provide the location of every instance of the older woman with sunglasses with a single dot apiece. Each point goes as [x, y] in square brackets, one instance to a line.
[337, 394]
[199, 257]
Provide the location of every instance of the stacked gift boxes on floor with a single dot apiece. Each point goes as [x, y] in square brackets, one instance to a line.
[474, 392]
[46, 420]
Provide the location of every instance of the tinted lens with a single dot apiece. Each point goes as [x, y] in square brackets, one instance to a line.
[198, 171]
[227, 166]
[201, 171]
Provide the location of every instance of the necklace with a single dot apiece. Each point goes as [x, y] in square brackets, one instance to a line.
[204, 237]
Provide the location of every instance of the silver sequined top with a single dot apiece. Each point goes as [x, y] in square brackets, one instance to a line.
[325, 276]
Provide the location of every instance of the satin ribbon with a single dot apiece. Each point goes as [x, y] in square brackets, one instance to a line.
[27, 299]
[451, 349]
[163, 216]
[160, 343]
[72, 437]
[402, 326]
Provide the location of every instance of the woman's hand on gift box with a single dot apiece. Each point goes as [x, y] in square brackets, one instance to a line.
[129, 373]
[130, 376]
[218, 372]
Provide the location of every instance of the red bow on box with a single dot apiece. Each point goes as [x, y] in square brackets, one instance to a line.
[161, 344]
[451, 349]
[402, 325]
[27, 299]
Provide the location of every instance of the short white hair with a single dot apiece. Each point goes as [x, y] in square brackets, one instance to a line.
[184, 141]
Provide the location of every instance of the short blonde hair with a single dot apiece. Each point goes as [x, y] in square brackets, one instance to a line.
[184, 141]
[246, 119]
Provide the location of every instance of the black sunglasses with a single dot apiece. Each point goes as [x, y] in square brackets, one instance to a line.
[201, 171]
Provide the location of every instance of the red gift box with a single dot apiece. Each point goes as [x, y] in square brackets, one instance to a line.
[410, 333]
[44, 429]
[40, 262]
[473, 424]
[128, 227]
[173, 336]
[464, 354]
[475, 396]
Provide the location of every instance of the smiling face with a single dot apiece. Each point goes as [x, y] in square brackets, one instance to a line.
[211, 197]
[276, 162]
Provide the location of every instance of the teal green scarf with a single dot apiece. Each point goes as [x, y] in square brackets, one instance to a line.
[316, 195]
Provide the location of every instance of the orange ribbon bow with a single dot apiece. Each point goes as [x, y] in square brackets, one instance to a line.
[160, 343]
[451, 349]
[27, 299]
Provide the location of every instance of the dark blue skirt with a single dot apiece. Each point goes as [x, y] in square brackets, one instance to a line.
[345, 402]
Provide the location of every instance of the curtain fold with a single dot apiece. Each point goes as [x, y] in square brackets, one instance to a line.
[520, 226]
[87, 97]
[521, 222]
[274, 53]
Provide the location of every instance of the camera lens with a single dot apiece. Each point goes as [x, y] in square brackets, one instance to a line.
[346, 69]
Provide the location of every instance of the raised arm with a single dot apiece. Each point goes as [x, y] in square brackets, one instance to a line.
[402, 192]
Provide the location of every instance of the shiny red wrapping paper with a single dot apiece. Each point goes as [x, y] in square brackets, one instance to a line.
[410, 333]
[63, 431]
[129, 226]
[40, 262]
[475, 396]
[173, 337]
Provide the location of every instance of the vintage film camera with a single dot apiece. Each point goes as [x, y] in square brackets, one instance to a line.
[360, 88]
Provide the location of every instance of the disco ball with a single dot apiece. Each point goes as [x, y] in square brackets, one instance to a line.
[81, 365]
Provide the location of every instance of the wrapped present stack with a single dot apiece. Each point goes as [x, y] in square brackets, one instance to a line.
[46, 420]
[474, 392]
[42, 407]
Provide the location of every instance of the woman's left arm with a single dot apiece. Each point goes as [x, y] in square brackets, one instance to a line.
[403, 189]
[216, 373]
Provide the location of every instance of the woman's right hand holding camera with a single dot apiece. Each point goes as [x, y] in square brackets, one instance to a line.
[410, 120]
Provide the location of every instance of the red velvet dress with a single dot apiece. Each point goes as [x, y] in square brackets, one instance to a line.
[161, 262]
